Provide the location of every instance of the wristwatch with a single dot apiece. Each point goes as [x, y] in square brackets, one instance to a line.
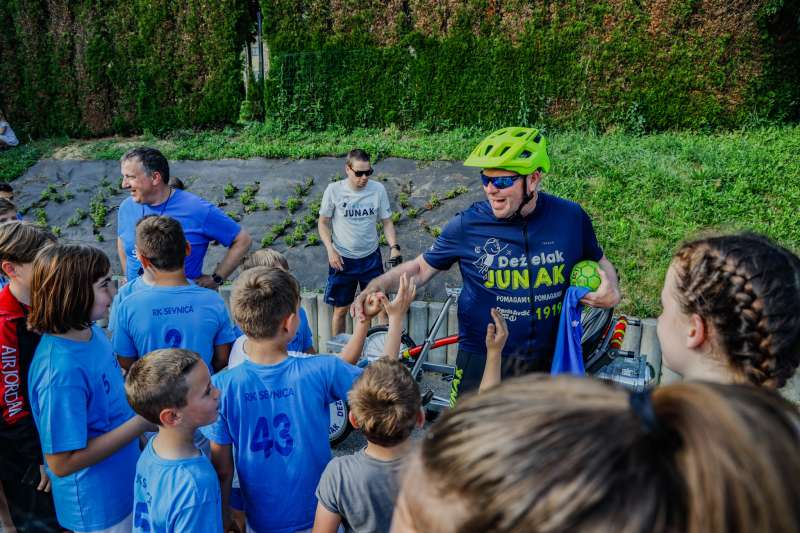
[395, 247]
[219, 280]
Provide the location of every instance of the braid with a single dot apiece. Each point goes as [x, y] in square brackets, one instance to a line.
[748, 289]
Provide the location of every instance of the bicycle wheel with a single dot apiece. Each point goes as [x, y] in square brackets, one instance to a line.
[376, 340]
[340, 427]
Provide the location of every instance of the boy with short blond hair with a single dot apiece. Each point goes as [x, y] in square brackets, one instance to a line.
[20, 448]
[303, 341]
[176, 487]
[274, 408]
[173, 312]
[358, 491]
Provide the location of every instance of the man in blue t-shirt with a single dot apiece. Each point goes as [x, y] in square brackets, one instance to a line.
[515, 252]
[173, 312]
[145, 173]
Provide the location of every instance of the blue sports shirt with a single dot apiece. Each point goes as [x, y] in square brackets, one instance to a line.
[187, 316]
[521, 265]
[276, 417]
[568, 355]
[122, 293]
[77, 393]
[176, 495]
[201, 222]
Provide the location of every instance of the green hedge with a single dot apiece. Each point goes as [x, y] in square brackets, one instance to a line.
[107, 66]
[609, 64]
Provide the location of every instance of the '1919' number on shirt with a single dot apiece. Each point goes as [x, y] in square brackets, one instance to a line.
[261, 440]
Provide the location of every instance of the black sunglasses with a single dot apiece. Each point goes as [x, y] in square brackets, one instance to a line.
[362, 173]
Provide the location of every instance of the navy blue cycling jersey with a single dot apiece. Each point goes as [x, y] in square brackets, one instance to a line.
[520, 265]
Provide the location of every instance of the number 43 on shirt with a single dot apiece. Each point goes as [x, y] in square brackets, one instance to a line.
[261, 440]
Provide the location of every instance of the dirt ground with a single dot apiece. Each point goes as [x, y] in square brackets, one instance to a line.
[78, 182]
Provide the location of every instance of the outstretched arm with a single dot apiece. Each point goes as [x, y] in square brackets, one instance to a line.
[496, 336]
[416, 269]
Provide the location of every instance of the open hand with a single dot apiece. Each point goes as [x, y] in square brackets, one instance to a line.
[335, 259]
[373, 304]
[406, 291]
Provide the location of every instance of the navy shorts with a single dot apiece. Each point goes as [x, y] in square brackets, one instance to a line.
[341, 288]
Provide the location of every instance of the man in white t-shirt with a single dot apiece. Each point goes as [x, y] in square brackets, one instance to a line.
[348, 216]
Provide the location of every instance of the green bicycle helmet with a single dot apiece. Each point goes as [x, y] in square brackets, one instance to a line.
[520, 150]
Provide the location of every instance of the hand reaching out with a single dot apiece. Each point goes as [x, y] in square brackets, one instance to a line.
[398, 307]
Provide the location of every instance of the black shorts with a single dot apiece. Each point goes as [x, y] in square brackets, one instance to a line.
[470, 366]
[340, 290]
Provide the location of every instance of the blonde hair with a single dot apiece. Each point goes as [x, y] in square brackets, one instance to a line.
[262, 298]
[266, 257]
[385, 401]
[573, 454]
[158, 381]
[21, 241]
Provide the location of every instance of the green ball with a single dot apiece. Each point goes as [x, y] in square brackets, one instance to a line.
[586, 274]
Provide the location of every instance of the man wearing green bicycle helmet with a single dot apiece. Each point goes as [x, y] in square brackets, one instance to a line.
[515, 252]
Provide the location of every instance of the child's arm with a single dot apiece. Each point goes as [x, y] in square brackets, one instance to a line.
[97, 449]
[222, 459]
[496, 335]
[326, 521]
[352, 350]
[222, 352]
[396, 310]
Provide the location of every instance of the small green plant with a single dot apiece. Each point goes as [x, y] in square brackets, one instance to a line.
[309, 221]
[403, 200]
[435, 231]
[412, 213]
[315, 207]
[250, 208]
[461, 189]
[434, 201]
[230, 190]
[262, 206]
[41, 216]
[290, 240]
[99, 237]
[248, 194]
[77, 218]
[382, 240]
[313, 240]
[396, 216]
[277, 203]
[287, 222]
[98, 210]
[233, 215]
[105, 183]
[299, 234]
[293, 204]
[337, 177]
[56, 230]
[69, 195]
[49, 193]
[267, 240]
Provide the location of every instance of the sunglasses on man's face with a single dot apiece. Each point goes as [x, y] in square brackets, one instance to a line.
[362, 173]
[500, 182]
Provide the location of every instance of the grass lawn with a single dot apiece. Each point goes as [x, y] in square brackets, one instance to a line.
[645, 194]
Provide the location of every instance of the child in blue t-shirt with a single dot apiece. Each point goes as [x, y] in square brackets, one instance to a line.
[173, 313]
[176, 487]
[274, 408]
[87, 429]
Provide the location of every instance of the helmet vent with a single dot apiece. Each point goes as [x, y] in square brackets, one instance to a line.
[525, 154]
[519, 134]
[537, 139]
[488, 149]
[504, 150]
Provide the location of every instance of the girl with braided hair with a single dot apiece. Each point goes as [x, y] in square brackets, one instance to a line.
[730, 311]
[546, 455]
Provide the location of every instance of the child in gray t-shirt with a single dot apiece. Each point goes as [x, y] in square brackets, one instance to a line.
[359, 491]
